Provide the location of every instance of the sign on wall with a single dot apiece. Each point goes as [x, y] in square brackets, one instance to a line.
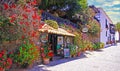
[60, 40]
[44, 37]
[66, 52]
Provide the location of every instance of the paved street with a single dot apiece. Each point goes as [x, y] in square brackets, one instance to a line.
[107, 59]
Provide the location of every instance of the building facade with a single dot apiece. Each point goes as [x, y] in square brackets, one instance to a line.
[107, 34]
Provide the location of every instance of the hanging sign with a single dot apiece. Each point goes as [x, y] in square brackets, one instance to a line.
[85, 29]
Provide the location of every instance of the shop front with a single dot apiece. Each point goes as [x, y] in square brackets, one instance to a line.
[58, 40]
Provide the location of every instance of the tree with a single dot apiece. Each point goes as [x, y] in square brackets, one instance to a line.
[69, 6]
[117, 26]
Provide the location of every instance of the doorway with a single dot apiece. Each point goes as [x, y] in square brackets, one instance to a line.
[52, 38]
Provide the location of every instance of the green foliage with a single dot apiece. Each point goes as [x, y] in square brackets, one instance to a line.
[117, 26]
[52, 23]
[78, 40]
[7, 30]
[96, 45]
[93, 29]
[74, 6]
[26, 54]
[73, 50]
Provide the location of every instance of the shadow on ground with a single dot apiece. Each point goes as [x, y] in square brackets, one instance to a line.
[64, 60]
[39, 68]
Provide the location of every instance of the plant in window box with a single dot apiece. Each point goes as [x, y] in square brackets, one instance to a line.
[46, 53]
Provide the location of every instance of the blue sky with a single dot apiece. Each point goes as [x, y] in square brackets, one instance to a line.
[111, 7]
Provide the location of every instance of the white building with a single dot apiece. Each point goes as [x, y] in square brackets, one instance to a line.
[107, 34]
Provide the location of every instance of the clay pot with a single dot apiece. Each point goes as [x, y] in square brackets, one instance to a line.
[46, 61]
[79, 53]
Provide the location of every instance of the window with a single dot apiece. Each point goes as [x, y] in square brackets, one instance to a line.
[106, 23]
[106, 33]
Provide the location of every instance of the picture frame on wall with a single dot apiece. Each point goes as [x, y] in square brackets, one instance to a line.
[60, 40]
[68, 40]
[44, 37]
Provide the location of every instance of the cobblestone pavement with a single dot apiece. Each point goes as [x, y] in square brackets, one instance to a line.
[107, 59]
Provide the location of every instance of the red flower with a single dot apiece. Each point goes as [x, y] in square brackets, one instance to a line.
[23, 37]
[6, 6]
[33, 23]
[9, 61]
[40, 26]
[38, 17]
[34, 16]
[25, 16]
[34, 2]
[3, 52]
[13, 5]
[1, 69]
[27, 10]
[1, 55]
[43, 55]
[42, 49]
[26, 23]
[50, 54]
[33, 34]
[24, 29]
[12, 20]
[21, 23]
[13, 16]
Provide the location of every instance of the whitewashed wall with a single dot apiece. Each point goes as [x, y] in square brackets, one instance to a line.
[103, 18]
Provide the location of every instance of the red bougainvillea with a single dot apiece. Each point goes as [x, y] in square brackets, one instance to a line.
[25, 14]
[5, 62]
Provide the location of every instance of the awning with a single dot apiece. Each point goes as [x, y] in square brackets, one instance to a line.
[59, 31]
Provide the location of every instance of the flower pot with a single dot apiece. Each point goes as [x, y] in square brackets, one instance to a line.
[30, 66]
[46, 60]
[79, 53]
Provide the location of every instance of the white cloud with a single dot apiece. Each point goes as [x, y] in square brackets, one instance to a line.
[112, 12]
[112, 9]
[115, 2]
[111, 3]
[115, 16]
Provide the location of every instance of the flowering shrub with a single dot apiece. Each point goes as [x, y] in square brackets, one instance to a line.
[46, 51]
[25, 14]
[26, 54]
[5, 61]
[52, 23]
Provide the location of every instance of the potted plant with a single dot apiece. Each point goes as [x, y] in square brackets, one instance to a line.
[5, 61]
[73, 51]
[78, 51]
[46, 53]
[101, 45]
